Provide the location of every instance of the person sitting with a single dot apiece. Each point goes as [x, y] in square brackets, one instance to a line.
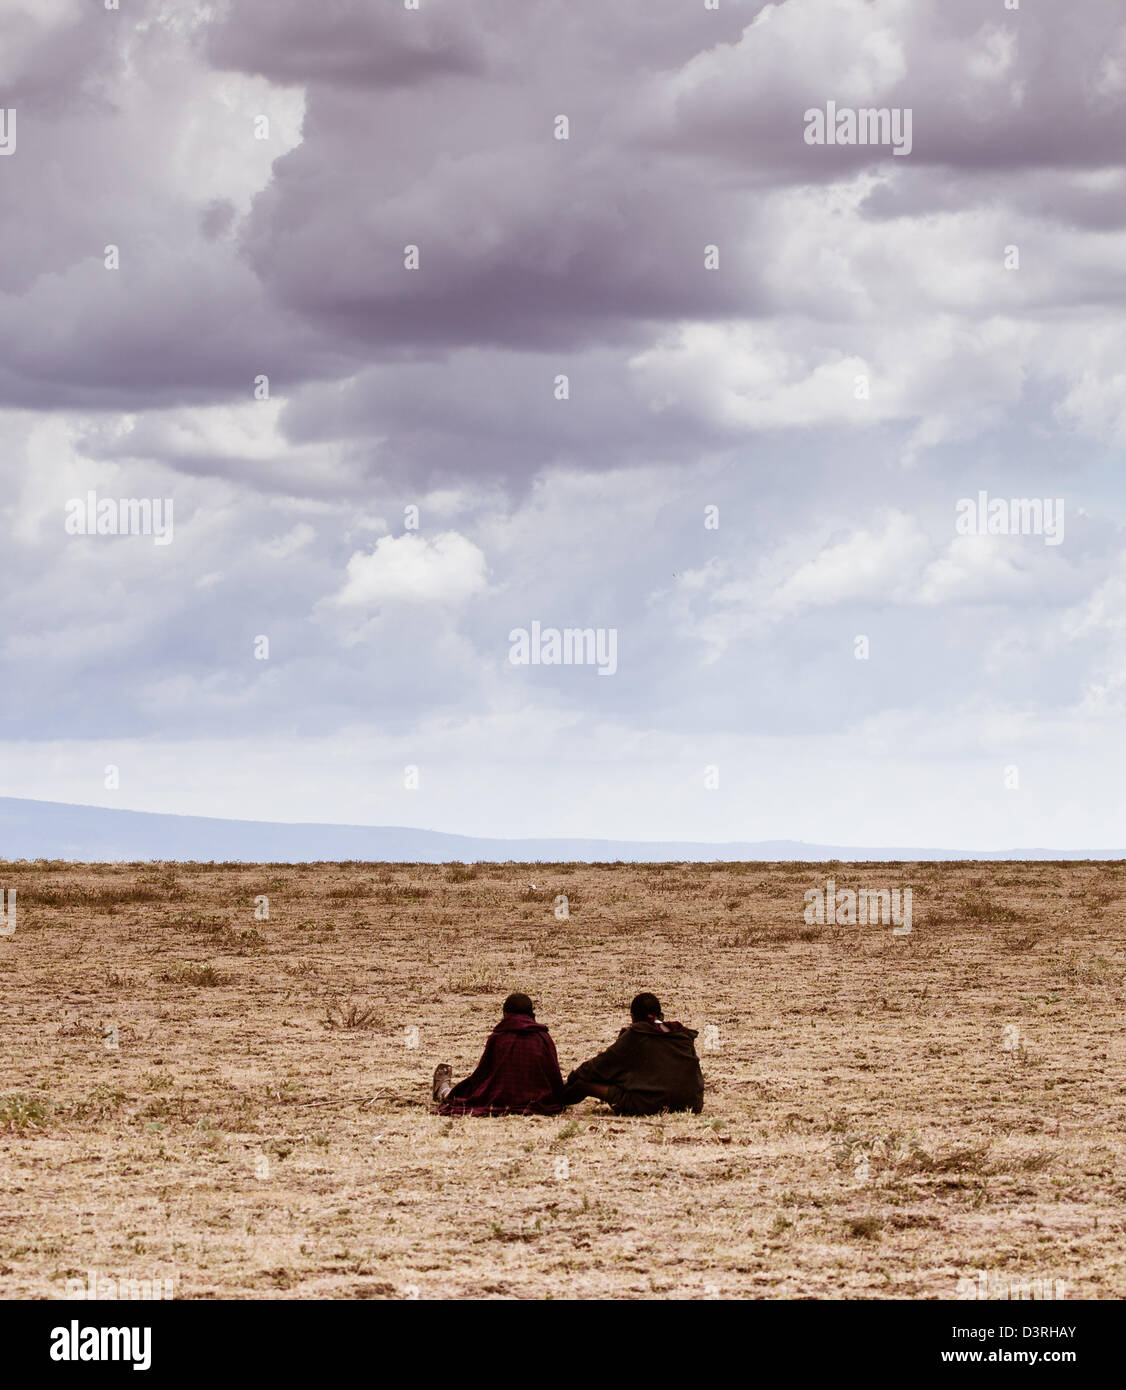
[651, 1067]
[518, 1073]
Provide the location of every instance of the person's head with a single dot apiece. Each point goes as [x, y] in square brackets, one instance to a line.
[519, 1004]
[645, 1007]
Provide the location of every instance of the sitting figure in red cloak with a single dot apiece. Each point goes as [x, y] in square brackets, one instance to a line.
[518, 1073]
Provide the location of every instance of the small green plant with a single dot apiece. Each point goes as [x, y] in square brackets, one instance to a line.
[20, 1112]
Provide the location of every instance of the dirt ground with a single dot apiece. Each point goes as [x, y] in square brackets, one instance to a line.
[192, 1091]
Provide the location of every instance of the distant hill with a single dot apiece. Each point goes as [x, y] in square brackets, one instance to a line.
[56, 830]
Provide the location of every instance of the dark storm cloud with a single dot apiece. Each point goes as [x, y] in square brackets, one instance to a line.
[114, 139]
[340, 41]
[525, 240]
[481, 413]
[532, 243]
[435, 128]
[348, 41]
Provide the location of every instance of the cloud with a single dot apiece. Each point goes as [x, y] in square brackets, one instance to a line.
[757, 456]
[410, 569]
[994, 570]
[871, 564]
[344, 42]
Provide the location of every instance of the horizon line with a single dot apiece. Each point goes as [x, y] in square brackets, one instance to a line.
[1115, 851]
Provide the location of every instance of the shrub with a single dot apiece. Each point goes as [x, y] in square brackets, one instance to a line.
[350, 1014]
[20, 1112]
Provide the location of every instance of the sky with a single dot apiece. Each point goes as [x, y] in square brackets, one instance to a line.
[436, 325]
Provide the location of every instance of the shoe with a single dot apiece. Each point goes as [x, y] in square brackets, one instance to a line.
[443, 1082]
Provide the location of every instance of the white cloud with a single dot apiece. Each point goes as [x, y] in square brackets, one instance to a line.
[872, 565]
[410, 569]
[988, 569]
[282, 546]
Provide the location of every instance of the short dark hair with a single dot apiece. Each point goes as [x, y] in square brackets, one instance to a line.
[519, 1004]
[645, 1006]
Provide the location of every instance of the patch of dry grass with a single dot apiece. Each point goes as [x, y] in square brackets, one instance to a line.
[884, 1114]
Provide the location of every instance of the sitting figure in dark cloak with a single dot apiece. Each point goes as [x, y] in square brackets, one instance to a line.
[651, 1067]
[518, 1073]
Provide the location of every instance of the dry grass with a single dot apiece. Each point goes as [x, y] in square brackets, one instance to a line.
[241, 1103]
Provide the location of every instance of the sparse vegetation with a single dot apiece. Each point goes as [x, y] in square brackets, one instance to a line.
[883, 1114]
[197, 976]
[350, 1014]
[477, 980]
[20, 1112]
[460, 873]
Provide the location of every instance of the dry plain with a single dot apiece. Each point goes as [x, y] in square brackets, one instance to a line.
[239, 1104]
